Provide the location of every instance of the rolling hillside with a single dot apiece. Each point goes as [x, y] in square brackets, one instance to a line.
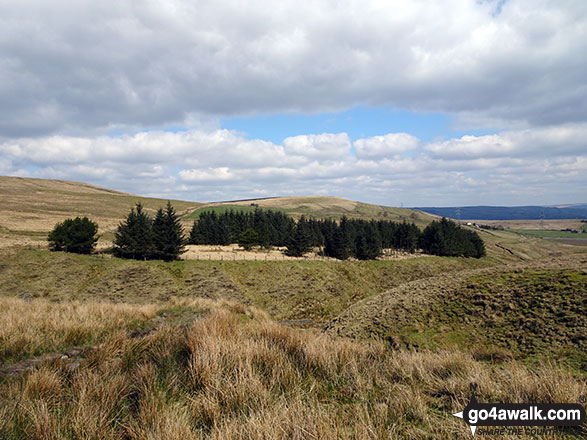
[324, 207]
[524, 310]
[234, 349]
[31, 207]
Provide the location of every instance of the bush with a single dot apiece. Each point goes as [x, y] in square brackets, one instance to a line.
[76, 235]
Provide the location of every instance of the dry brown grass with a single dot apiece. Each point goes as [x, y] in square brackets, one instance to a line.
[332, 207]
[302, 202]
[236, 374]
[37, 326]
[32, 207]
[235, 253]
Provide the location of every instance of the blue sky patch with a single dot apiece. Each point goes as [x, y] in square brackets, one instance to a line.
[359, 122]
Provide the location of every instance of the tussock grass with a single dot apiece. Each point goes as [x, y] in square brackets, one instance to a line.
[37, 326]
[237, 374]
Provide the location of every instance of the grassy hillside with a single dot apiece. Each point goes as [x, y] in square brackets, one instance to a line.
[34, 206]
[317, 290]
[549, 233]
[98, 347]
[527, 311]
[325, 207]
[31, 207]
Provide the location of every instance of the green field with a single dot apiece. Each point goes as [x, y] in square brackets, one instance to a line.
[548, 233]
[532, 314]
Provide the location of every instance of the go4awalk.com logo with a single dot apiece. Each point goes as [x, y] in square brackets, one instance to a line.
[519, 418]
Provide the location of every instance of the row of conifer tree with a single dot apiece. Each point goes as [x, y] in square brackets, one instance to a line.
[140, 237]
[356, 238]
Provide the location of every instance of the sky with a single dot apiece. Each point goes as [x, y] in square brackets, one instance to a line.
[419, 103]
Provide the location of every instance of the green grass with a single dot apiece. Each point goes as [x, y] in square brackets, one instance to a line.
[317, 290]
[548, 233]
[532, 314]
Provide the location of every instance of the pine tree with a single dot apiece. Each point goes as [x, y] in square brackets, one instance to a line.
[159, 235]
[248, 239]
[300, 241]
[168, 241]
[447, 238]
[134, 236]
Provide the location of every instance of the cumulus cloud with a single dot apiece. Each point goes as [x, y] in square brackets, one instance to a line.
[88, 91]
[515, 167]
[207, 175]
[542, 142]
[382, 146]
[88, 67]
[320, 146]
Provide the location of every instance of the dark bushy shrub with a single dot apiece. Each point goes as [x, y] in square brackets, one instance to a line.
[76, 235]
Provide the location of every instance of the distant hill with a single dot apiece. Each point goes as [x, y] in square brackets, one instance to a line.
[510, 212]
[31, 207]
[321, 207]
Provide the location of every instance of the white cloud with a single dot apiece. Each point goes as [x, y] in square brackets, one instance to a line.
[542, 142]
[388, 145]
[85, 67]
[208, 175]
[319, 146]
[513, 167]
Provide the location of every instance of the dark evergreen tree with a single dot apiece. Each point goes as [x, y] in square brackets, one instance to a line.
[196, 236]
[348, 238]
[76, 235]
[300, 242]
[351, 238]
[368, 242]
[447, 238]
[159, 235]
[336, 245]
[168, 241]
[134, 236]
[248, 239]
[478, 245]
